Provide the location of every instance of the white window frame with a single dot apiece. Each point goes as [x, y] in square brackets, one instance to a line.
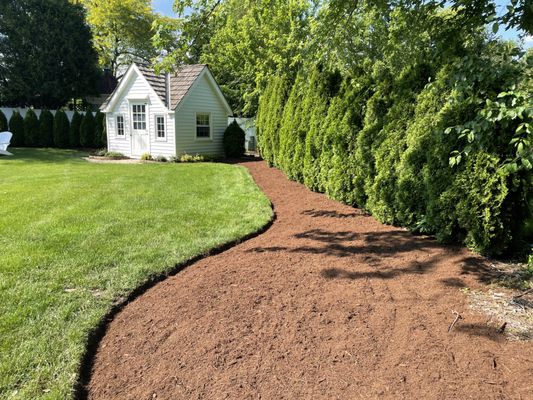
[123, 136]
[133, 122]
[196, 126]
[156, 133]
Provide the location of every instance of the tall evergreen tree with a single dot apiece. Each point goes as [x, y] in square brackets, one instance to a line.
[61, 128]
[74, 131]
[99, 130]
[87, 129]
[31, 129]
[16, 127]
[46, 129]
[3, 122]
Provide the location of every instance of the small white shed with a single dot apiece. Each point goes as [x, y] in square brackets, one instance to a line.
[166, 114]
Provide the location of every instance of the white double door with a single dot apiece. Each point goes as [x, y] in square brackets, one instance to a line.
[140, 139]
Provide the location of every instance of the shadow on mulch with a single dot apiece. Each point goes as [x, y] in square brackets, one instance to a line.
[482, 330]
[334, 214]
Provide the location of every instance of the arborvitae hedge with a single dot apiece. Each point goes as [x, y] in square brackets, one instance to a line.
[3, 122]
[31, 129]
[269, 119]
[234, 138]
[61, 128]
[382, 144]
[74, 131]
[87, 129]
[16, 127]
[46, 129]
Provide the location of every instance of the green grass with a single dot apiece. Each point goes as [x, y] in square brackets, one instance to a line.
[74, 236]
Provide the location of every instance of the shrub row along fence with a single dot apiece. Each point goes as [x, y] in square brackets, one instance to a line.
[450, 157]
[44, 128]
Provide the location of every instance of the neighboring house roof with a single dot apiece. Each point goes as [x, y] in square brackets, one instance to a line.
[171, 88]
[107, 83]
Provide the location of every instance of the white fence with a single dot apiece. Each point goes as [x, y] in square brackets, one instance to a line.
[9, 111]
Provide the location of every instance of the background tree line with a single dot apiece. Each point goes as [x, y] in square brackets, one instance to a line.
[54, 51]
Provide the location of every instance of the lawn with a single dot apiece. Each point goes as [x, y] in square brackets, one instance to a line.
[75, 236]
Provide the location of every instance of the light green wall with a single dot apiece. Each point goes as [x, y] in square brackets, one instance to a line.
[202, 98]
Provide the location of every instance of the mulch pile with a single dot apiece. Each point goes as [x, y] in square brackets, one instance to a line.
[326, 304]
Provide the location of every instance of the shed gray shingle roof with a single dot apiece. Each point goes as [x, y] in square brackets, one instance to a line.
[180, 83]
[158, 82]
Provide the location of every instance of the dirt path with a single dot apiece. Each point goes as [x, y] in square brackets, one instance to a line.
[327, 304]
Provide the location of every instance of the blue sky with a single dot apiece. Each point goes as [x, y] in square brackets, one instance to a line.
[165, 7]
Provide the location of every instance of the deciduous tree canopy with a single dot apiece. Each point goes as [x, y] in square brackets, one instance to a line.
[122, 31]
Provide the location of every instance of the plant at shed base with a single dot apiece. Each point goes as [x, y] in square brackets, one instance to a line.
[234, 140]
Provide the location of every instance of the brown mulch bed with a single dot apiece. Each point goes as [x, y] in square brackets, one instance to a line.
[326, 304]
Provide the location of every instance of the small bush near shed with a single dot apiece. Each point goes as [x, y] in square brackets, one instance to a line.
[189, 158]
[161, 159]
[234, 140]
[114, 154]
[146, 157]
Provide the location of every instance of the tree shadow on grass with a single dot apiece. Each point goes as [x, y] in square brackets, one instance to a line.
[45, 155]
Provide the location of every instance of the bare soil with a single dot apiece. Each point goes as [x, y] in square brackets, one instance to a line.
[326, 304]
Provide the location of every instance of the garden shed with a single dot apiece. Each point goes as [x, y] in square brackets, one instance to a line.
[166, 114]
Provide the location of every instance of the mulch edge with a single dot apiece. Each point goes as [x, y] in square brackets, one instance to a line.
[95, 336]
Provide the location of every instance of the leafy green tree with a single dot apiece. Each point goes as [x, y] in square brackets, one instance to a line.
[47, 54]
[46, 129]
[122, 31]
[74, 130]
[31, 129]
[16, 127]
[3, 122]
[61, 128]
[245, 42]
[87, 130]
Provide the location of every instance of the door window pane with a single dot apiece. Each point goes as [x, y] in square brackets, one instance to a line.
[139, 116]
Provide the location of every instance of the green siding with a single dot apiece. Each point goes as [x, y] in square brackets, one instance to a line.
[201, 99]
